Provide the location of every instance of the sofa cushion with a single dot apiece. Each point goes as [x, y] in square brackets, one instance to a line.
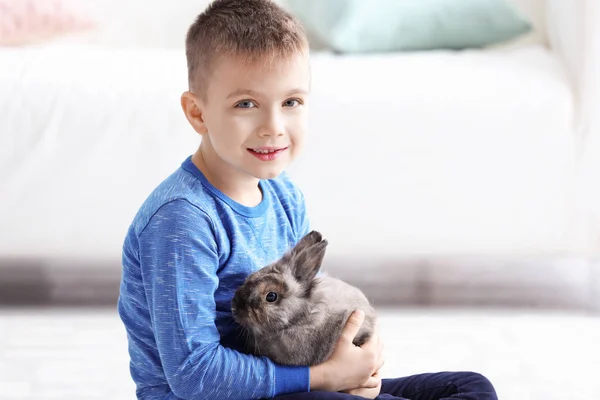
[356, 26]
[29, 22]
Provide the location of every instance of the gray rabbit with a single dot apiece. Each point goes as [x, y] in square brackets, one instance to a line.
[293, 316]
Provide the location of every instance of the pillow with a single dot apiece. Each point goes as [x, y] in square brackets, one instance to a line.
[362, 26]
[25, 22]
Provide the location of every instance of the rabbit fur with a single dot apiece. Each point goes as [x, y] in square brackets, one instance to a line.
[293, 316]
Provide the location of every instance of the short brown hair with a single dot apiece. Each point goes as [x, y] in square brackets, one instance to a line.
[251, 29]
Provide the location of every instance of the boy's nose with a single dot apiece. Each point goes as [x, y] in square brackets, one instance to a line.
[270, 132]
[272, 126]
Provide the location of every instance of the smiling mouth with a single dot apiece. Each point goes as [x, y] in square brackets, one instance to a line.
[267, 153]
[267, 150]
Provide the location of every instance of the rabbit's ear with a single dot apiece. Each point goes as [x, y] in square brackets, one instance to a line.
[307, 263]
[307, 241]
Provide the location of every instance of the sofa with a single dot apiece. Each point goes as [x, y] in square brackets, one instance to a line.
[439, 177]
[458, 189]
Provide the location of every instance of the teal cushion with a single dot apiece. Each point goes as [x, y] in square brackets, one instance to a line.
[362, 26]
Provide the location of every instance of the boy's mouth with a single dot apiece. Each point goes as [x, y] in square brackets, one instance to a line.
[267, 153]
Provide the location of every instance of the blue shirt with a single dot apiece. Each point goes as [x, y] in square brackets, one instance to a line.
[187, 250]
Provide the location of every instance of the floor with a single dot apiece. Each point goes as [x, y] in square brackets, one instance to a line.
[82, 353]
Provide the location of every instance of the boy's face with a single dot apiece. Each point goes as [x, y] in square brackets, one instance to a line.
[254, 118]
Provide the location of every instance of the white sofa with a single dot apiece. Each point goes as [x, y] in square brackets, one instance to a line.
[438, 177]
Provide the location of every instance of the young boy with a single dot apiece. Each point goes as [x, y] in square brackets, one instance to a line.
[230, 210]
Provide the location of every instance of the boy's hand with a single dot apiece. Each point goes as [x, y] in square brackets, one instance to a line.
[350, 366]
[368, 393]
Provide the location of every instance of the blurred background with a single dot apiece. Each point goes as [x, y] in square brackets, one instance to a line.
[453, 162]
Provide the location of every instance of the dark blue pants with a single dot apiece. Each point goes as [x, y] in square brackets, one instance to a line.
[432, 386]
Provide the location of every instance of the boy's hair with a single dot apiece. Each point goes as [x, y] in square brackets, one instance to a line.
[252, 30]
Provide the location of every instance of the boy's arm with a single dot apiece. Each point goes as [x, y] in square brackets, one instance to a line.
[179, 261]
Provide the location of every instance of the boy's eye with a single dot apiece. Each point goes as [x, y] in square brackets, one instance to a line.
[245, 104]
[292, 103]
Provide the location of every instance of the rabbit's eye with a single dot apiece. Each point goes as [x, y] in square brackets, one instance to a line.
[271, 297]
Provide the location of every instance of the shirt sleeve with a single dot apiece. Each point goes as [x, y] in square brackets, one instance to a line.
[179, 262]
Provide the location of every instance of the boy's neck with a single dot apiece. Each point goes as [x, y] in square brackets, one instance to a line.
[241, 189]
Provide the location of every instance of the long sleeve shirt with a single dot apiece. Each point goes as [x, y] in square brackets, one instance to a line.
[187, 250]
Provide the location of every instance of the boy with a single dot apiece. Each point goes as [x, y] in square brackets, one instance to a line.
[228, 211]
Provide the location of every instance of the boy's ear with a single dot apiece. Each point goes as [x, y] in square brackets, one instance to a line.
[192, 107]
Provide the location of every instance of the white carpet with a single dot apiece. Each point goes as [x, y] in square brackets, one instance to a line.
[82, 354]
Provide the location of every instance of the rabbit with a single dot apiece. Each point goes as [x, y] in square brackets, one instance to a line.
[293, 316]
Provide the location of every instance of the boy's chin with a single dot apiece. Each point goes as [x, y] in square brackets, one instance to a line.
[270, 173]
